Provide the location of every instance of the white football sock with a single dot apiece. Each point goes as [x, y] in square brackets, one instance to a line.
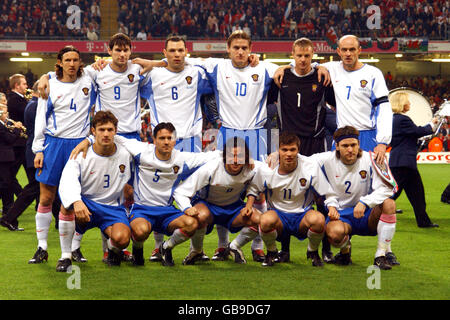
[177, 237]
[197, 240]
[269, 239]
[159, 238]
[245, 236]
[76, 241]
[223, 235]
[43, 220]
[386, 231]
[66, 230]
[314, 240]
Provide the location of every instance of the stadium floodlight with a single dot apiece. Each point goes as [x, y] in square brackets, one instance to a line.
[369, 60]
[440, 60]
[25, 59]
[279, 60]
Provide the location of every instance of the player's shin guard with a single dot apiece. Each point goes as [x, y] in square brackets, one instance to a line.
[197, 240]
[386, 231]
[314, 240]
[269, 239]
[66, 230]
[258, 243]
[177, 237]
[43, 221]
[246, 235]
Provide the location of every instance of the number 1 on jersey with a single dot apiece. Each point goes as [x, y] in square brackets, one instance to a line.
[299, 97]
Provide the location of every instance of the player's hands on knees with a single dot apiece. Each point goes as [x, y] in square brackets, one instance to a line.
[322, 72]
[358, 211]
[333, 213]
[43, 86]
[82, 213]
[83, 147]
[380, 151]
[247, 211]
[38, 160]
[191, 212]
[100, 64]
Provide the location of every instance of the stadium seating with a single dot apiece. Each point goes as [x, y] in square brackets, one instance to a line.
[47, 19]
[282, 19]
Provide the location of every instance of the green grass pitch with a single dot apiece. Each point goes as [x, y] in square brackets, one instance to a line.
[423, 274]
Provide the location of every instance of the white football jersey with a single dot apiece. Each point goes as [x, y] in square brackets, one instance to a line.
[292, 192]
[154, 179]
[65, 114]
[214, 184]
[98, 178]
[241, 94]
[119, 92]
[357, 93]
[353, 183]
[175, 97]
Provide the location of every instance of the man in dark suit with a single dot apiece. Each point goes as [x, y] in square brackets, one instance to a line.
[403, 161]
[31, 190]
[16, 107]
[8, 136]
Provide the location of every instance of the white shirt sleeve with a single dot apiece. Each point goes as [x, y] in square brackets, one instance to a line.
[381, 191]
[186, 190]
[69, 185]
[40, 124]
[384, 118]
[258, 183]
[133, 146]
[323, 187]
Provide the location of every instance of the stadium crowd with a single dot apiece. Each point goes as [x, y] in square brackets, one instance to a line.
[281, 19]
[49, 19]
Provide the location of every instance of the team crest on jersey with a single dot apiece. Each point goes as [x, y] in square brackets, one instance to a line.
[122, 168]
[255, 77]
[363, 83]
[363, 174]
[314, 87]
[175, 169]
[85, 91]
[189, 79]
[130, 77]
[302, 182]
